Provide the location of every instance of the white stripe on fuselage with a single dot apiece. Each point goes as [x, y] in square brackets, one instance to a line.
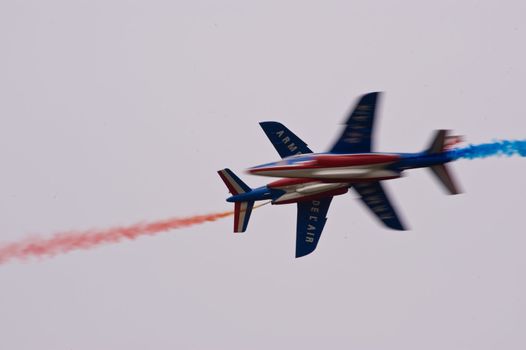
[296, 192]
[351, 172]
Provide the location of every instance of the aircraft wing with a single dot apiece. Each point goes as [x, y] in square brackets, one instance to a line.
[375, 198]
[357, 135]
[312, 216]
[284, 141]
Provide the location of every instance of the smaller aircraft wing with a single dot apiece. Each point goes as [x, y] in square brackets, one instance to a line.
[284, 141]
[312, 216]
[375, 198]
[357, 135]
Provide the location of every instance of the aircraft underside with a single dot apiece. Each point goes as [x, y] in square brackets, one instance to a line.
[308, 191]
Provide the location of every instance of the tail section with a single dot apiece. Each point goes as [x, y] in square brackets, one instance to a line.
[234, 183]
[441, 142]
[242, 209]
[438, 143]
[445, 178]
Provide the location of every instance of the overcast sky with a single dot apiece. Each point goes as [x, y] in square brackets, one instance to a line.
[113, 112]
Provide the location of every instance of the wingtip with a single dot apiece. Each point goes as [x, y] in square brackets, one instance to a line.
[397, 226]
[304, 252]
[301, 255]
[372, 95]
[268, 122]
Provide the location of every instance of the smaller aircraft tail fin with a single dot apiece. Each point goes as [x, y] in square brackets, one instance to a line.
[440, 143]
[242, 210]
[234, 183]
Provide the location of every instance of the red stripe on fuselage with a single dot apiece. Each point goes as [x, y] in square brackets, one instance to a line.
[327, 160]
[355, 180]
[333, 161]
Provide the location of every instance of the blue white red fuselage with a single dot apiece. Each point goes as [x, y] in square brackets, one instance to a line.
[327, 167]
[286, 191]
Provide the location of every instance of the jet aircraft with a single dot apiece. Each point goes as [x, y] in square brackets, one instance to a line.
[312, 179]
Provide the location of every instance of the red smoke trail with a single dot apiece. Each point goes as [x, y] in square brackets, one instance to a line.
[72, 240]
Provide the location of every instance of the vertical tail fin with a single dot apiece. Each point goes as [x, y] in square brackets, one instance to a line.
[439, 140]
[242, 209]
[438, 145]
[234, 183]
[443, 141]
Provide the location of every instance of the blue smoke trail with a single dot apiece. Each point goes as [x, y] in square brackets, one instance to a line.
[497, 148]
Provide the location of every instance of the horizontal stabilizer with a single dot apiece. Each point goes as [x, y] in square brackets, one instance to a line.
[445, 178]
[375, 198]
[441, 141]
[284, 141]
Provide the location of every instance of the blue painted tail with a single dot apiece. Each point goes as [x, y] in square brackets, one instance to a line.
[438, 145]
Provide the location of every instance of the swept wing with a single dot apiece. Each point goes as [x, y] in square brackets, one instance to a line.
[284, 141]
[374, 197]
[312, 216]
[357, 134]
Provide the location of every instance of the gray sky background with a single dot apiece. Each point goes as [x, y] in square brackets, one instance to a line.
[113, 112]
